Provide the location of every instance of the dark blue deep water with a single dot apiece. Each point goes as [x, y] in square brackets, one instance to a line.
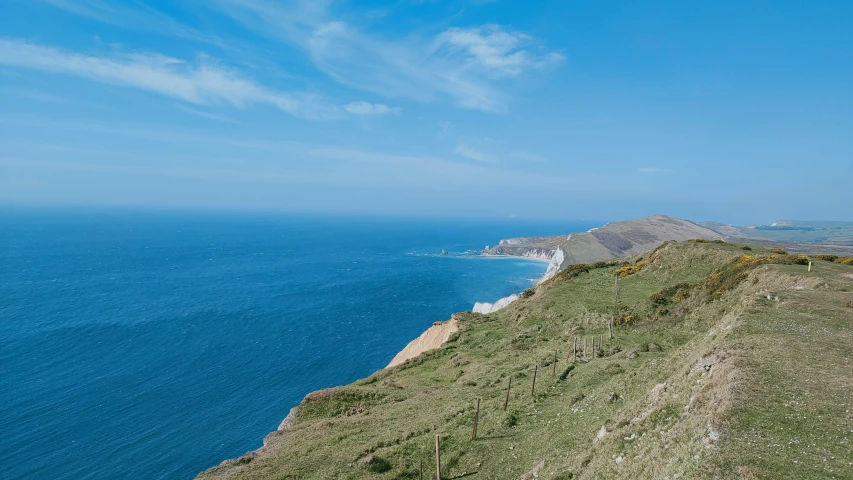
[154, 345]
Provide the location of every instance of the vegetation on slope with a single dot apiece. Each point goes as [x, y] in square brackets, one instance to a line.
[733, 365]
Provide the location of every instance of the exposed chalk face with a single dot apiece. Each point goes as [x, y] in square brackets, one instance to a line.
[484, 307]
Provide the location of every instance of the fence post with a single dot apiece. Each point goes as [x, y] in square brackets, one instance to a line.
[476, 419]
[575, 350]
[437, 460]
[554, 367]
[533, 388]
[509, 385]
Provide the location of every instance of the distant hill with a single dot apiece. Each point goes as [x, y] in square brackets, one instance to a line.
[613, 240]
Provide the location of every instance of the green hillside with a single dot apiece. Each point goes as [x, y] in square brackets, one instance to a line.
[725, 363]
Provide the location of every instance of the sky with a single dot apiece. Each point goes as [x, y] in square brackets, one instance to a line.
[734, 111]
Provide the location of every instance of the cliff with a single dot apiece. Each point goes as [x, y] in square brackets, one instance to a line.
[542, 248]
[724, 363]
[432, 338]
[613, 240]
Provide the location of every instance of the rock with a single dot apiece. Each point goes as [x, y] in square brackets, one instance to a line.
[375, 464]
[656, 392]
[632, 355]
[612, 397]
[654, 347]
[535, 472]
[444, 252]
[643, 348]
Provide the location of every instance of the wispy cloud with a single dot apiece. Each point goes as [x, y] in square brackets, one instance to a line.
[655, 170]
[367, 108]
[200, 113]
[494, 50]
[420, 68]
[529, 157]
[204, 82]
[134, 15]
[444, 126]
[473, 153]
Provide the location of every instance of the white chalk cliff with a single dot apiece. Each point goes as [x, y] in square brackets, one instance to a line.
[484, 307]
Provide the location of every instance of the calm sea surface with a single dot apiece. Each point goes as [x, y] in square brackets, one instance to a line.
[155, 345]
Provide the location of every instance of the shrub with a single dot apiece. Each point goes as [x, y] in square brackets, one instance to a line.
[731, 274]
[792, 260]
[698, 240]
[626, 316]
[779, 251]
[510, 420]
[835, 258]
[528, 293]
[747, 248]
[673, 294]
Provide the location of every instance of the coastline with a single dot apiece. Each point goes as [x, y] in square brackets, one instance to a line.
[517, 257]
[432, 338]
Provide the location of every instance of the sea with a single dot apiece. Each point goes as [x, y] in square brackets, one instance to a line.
[141, 344]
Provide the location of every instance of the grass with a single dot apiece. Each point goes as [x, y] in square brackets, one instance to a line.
[750, 380]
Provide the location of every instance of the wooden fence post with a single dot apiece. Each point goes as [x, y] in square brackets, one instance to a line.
[533, 388]
[554, 367]
[476, 419]
[601, 344]
[509, 385]
[437, 460]
[575, 350]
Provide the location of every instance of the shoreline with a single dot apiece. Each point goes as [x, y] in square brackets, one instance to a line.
[432, 338]
[517, 257]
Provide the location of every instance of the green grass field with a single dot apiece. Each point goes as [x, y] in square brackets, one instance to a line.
[741, 370]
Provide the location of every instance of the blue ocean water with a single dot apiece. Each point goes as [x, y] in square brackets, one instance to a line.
[155, 345]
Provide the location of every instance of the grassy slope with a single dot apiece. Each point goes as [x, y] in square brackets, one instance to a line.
[743, 386]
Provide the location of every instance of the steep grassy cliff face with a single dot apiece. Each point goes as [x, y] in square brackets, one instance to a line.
[725, 363]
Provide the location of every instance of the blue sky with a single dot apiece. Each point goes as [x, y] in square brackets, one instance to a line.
[738, 111]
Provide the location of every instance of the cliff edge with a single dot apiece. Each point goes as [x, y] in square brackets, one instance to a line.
[613, 240]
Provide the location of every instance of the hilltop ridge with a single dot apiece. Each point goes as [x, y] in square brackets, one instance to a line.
[610, 241]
